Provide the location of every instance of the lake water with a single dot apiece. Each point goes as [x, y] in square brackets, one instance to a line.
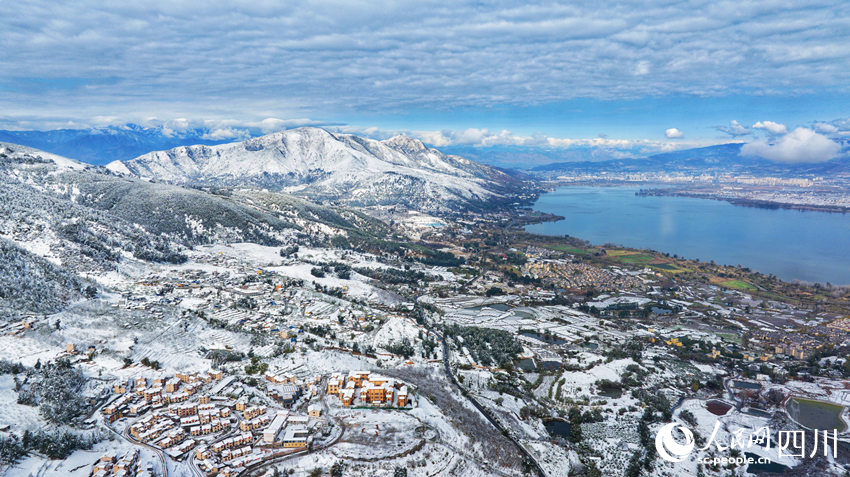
[557, 428]
[791, 244]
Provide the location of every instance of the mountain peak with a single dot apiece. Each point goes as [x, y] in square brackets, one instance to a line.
[405, 143]
[319, 164]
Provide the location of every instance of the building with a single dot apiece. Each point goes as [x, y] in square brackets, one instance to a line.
[314, 410]
[335, 384]
[286, 394]
[274, 428]
[295, 436]
[347, 396]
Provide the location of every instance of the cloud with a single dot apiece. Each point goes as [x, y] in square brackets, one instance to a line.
[227, 133]
[734, 129]
[800, 145]
[826, 128]
[197, 59]
[673, 133]
[771, 127]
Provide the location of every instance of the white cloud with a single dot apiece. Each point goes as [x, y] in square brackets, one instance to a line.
[771, 127]
[227, 133]
[674, 133]
[178, 124]
[435, 138]
[482, 137]
[800, 145]
[734, 129]
[825, 128]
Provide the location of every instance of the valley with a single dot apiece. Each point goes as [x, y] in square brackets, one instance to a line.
[221, 330]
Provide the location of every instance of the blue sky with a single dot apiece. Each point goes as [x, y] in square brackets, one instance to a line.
[629, 76]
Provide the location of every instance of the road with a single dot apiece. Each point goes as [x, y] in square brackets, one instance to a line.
[193, 466]
[132, 440]
[484, 411]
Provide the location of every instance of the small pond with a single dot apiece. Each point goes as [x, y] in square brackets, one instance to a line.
[816, 414]
[557, 428]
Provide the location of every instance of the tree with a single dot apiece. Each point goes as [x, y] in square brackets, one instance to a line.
[494, 291]
[400, 472]
[336, 469]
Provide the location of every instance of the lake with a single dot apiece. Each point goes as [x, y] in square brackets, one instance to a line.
[791, 244]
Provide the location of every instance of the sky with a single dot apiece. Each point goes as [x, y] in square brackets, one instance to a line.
[628, 76]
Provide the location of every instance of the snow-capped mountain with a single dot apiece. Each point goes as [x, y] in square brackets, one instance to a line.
[83, 218]
[106, 144]
[316, 163]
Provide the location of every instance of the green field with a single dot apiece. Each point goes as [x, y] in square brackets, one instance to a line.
[732, 338]
[738, 285]
[568, 249]
[665, 266]
[636, 259]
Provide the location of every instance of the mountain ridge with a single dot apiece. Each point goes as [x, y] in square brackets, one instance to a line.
[322, 165]
[717, 158]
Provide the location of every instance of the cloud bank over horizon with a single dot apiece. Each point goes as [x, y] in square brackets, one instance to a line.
[816, 142]
[68, 63]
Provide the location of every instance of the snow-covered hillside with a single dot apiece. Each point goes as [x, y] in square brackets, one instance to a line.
[315, 163]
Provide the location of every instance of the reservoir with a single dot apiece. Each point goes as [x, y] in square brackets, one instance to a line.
[791, 244]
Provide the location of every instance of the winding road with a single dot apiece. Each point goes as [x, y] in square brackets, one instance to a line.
[484, 411]
[159, 452]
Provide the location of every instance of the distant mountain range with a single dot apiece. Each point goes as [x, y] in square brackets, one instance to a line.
[107, 144]
[719, 158]
[321, 165]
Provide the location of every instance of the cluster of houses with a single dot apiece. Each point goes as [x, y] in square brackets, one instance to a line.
[579, 276]
[224, 456]
[371, 389]
[178, 413]
[110, 465]
[796, 345]
[142, 394]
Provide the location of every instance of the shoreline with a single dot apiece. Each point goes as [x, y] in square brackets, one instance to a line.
[553, 218]
[744, 202]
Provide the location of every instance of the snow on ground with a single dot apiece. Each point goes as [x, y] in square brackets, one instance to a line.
[17, 416]
[80, 463]
[554, 459]
[581, 382]
[26, 350]
[394, 331]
